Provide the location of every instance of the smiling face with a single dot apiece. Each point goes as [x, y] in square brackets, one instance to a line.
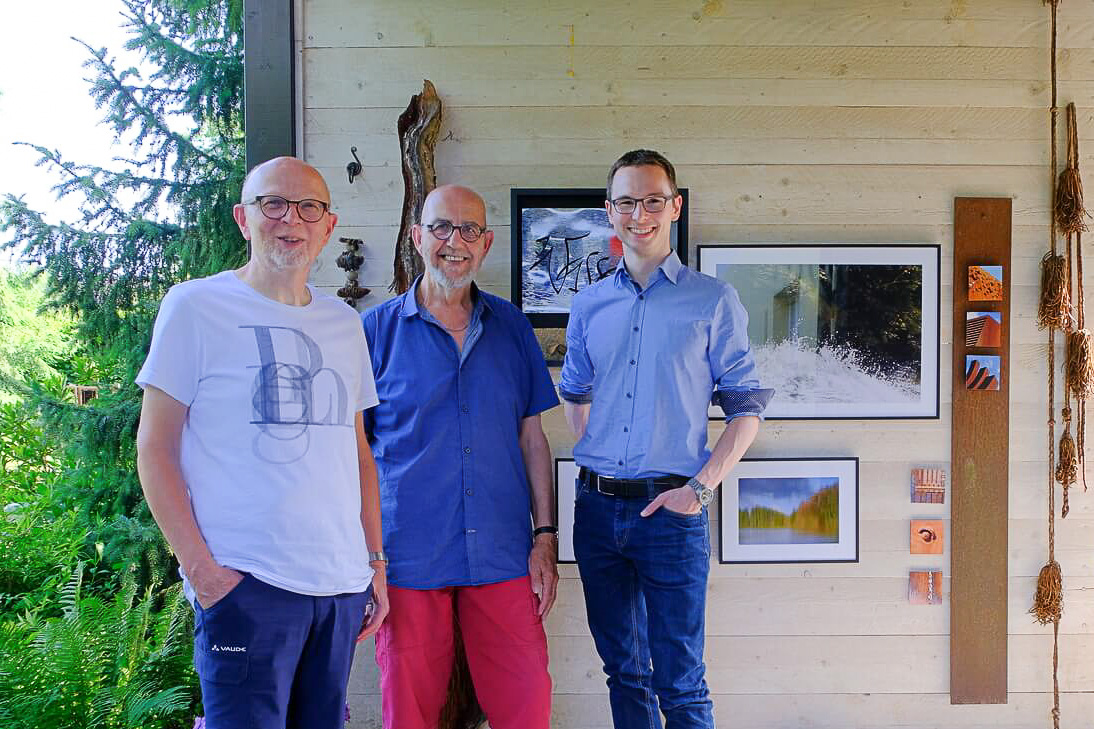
[287, 243]
[645, 234]
[452, 264]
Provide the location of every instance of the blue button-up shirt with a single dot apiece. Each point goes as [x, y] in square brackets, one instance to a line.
[453, 488]
[650, 360]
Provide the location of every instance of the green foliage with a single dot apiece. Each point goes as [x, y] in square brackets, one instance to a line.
[164, 216]
[116, 664]
[32, 341]
[39, 538]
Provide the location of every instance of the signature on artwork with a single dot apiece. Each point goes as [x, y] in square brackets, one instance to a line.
[559, 272]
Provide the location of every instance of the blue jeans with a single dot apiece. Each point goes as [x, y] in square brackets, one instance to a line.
[645, 583]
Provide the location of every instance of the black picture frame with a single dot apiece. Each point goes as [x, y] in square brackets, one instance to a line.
[732, 549]
[857, 388]
[583, 268]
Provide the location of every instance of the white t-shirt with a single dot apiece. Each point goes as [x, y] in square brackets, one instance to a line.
[269, 451]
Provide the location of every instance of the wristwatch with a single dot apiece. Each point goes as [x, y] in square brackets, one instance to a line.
[703, 493]
[378, 557]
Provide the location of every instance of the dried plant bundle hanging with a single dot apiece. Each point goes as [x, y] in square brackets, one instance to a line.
[1054, 309]
[1079, 368]
[1048, 604]
[1070, 213]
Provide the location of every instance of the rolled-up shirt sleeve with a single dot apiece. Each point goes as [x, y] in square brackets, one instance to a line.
[737, 389]
[576, 382]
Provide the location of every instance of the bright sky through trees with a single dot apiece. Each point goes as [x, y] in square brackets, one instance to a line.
[43, 97]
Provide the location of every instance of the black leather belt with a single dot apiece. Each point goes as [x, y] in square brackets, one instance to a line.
[629, 488]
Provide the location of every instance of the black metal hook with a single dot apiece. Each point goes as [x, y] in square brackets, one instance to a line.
[353, 168]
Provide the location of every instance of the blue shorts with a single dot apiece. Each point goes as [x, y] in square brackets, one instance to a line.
[270, 659]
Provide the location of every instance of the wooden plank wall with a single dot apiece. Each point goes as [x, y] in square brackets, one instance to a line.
[794, 121]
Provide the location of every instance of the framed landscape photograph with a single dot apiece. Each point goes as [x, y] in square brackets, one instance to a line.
[562, 243]
[840, 332]
[565, 494]
[779, 510]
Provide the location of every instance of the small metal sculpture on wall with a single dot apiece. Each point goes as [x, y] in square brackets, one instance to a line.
[419, 126]
[350, 261]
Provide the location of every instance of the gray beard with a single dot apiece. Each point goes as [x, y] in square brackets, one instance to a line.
[444, 281]
[282, 260]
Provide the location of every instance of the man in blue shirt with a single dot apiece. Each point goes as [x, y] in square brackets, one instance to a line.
[462, 462]
[647, 348]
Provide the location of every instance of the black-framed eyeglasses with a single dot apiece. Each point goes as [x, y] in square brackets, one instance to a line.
[651, 204]
[443, 229]
[274, 207]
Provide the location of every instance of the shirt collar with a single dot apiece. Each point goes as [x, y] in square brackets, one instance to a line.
[410, 300]
[671, 267]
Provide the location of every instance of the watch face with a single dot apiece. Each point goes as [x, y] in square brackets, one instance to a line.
[706, 496]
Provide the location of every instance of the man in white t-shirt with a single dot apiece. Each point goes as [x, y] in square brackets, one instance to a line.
[253, 459]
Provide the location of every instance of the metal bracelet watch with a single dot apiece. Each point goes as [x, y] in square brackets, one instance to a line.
[702, 492]
[378, 557]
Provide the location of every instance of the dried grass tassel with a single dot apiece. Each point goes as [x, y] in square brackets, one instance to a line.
[1054, 309]
[1048, 603]
[1079, 367]
[1067, 467]
[1068, 206]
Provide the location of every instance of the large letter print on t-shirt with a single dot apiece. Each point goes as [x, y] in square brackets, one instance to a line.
[291, 381]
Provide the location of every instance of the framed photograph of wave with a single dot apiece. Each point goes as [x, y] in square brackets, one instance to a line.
[790, 510]
[562, 243]
[839, 331]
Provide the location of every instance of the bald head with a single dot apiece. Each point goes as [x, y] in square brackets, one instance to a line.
[454, 198]
[284, 172]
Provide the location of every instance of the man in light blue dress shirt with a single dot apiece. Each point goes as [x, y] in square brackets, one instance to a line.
[647, 348]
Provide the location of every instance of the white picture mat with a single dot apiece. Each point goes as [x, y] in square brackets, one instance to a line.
[709, 257]
[845, 550]
[565, 494]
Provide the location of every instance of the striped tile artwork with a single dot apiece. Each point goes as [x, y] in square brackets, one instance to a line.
[928, 485]
[982, 372]
[983, 329]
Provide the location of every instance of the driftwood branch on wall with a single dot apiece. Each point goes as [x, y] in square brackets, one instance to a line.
[419, 126]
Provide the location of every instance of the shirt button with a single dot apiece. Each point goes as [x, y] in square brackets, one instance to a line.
[641, 297]
[624, 429]
[620, 463]
[636, 329]
[632, 361]
[465, 409]
[468, 450]
[470, 531]
[470, 491]
[628, 395]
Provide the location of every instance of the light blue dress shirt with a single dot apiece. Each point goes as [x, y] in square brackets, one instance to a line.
[649, 361]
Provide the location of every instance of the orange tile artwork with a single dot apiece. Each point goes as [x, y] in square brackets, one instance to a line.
[925, 588]
[985, 283]
[928, 485]
[927, 536]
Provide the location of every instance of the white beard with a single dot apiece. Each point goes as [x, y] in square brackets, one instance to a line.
[282, 260]
[445, 281]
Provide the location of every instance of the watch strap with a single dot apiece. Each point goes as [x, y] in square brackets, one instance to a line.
[544, 530]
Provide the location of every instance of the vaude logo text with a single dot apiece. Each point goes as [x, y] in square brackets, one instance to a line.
[228, 649]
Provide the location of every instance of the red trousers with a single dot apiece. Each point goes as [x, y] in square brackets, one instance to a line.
[506, 652]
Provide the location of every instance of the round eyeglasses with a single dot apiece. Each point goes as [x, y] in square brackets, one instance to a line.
[651, 204]
[274, 207]
[443, 229]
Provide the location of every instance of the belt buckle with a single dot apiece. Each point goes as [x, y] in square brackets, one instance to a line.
[599, 489]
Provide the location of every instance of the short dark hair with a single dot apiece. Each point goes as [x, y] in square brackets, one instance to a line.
[638, 158]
